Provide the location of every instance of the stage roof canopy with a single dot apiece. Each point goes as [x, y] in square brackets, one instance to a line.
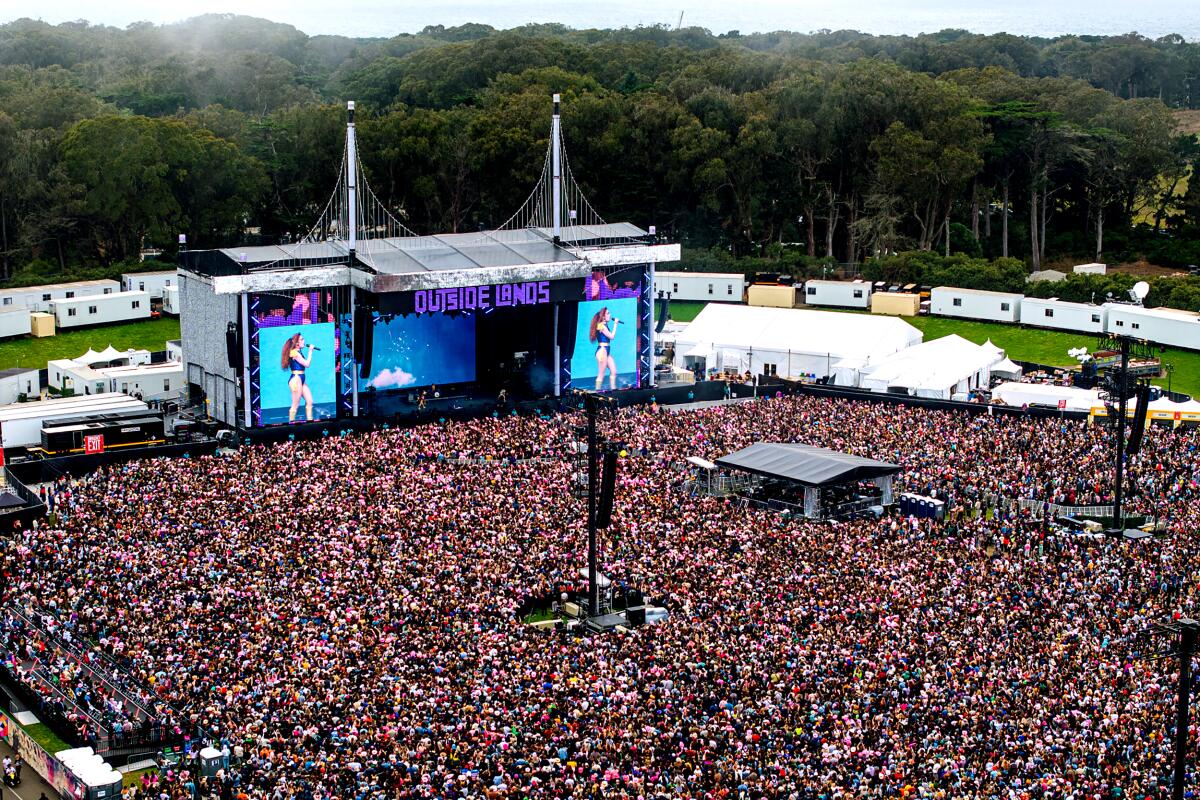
[405, 255]
[805, 464]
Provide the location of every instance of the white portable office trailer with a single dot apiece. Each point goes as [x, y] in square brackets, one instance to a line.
[84, 375]
[19, 381]
[1159, 325]
[947, 301]
[160, 381]
[1062, 315]
[154, 283]
[171, 300]
[14, 322]
[701, 287]
[38, 298]
[839, 294]
[22, 422]
[97, 310]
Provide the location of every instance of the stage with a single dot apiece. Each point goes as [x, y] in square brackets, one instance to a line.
[375, 322]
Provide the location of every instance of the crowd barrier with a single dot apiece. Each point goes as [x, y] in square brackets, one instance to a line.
[51, 469]
[1058, 510]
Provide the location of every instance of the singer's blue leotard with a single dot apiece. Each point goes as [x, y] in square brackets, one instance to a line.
[602, 339]
[297, 366]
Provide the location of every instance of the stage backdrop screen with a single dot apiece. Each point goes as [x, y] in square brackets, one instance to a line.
[422, 350]
[281, 389]
[621, 356]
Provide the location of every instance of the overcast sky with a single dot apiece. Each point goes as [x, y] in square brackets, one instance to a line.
[383, 18]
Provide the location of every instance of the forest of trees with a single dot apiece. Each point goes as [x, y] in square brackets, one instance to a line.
[833, 145]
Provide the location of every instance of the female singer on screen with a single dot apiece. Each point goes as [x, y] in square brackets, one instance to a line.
[293, 359]
[602, 334]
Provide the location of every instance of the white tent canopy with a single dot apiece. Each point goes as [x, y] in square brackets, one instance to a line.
[795, 342]
[111, 353]
[89, 358]
[935, 369]
[1007, 369]
[1166, 404]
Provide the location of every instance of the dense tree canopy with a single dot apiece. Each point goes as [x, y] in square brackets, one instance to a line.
[839, 145]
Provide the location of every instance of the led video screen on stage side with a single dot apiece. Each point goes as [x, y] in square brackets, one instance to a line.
[422, 350]
[296, 343]
[619, 285]
[605, 354]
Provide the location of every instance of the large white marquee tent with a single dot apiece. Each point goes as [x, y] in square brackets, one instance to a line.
[936, 369]
[795, 342]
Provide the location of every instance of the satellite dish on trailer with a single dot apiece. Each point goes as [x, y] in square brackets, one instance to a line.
[1140, 290]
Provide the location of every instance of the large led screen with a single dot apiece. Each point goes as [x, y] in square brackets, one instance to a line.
[422, 350]
[295, 355]
[297, 365]
[605, 356]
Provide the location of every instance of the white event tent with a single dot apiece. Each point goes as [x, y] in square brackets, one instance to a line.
[1040, 394]
[791, 342]
[936, 369]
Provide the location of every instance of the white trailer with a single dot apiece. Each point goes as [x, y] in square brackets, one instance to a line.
[839, 294]
[98, 310]
[160, 381]
[1159, 325]
[14, 322]
[21, 423]
[19, 381]
[155, 283]
[948, 301]
[1062, 315]
[171, 300]
[38, 298]
[701, 287]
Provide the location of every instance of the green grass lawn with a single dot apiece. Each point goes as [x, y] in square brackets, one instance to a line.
[45, 737]
[135, 778]
[1021, 344]
[34, 353]
[685, 312]
[1050, 347]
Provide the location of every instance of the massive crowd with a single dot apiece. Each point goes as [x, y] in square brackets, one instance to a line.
[341, 615]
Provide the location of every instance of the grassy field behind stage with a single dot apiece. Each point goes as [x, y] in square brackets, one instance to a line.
[1021, 344]
[685, 312]
[33, 353]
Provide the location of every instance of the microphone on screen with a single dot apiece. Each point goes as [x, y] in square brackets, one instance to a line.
[313, 347]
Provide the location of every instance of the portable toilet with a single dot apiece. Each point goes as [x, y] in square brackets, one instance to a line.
[100, 779]
[939, 509]
[210, 761]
